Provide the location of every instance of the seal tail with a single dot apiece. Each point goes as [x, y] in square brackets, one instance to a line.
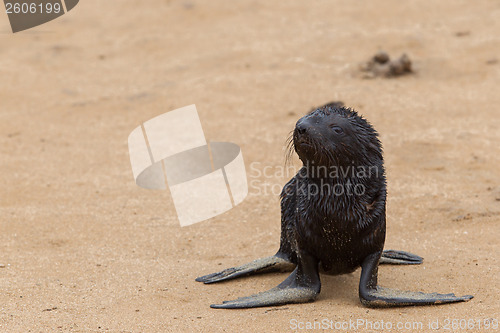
[393, 257]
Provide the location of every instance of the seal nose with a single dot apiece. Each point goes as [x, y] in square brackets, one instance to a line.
[301, 128]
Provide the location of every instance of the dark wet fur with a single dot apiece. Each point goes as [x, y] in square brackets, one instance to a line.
[323, 229]
[340, 230]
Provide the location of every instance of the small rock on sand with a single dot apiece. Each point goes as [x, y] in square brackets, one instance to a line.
[382, 65]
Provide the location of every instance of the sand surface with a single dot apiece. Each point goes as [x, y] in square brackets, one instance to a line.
[84, 249]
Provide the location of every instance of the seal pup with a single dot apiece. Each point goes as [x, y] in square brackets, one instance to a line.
[333, 218]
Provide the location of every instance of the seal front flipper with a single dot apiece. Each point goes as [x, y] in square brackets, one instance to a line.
[302, 286]
[372, 295]
[263, 265]
[394, 257]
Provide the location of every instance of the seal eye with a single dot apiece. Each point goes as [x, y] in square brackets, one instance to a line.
[336, 129]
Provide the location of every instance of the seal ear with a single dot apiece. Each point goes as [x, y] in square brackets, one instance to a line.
[374, 146]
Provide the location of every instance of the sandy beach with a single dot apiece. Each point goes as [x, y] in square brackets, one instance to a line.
[84, 249]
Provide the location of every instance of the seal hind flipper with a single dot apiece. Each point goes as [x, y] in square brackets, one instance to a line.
[394, 257]
[302, 286]
[372, 295]
[262, 265]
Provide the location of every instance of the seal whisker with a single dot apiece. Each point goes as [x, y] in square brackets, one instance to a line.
[289, 149]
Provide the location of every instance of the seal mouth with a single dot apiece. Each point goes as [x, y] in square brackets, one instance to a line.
[306, 149]
[303, 144]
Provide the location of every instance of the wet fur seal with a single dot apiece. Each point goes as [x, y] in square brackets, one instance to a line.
[333, 218]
